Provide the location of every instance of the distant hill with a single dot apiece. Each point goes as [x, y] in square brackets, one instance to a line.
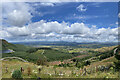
[33, 54]
[104, 49]
[73, 44]
[5, 45]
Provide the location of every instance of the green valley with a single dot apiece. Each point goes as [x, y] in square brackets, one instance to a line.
[59, 61]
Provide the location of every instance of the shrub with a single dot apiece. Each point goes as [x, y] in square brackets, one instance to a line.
[74, 60]
[101, 68]
[117, 56]
[41, 61]
[29, 71]
[87, 63]
[17, 74]
[32, 50]
[117, 65]
[79, 64]
[106, 54]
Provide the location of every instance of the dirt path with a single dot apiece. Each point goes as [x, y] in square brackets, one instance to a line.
[43, 52]
[14, 58]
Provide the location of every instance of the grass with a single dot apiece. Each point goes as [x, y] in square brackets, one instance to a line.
[103, 49]
[80, 50]
[39, 51]
[50, 55]
[31, 57]
[49, 72]
[53, 55]
[111, 59]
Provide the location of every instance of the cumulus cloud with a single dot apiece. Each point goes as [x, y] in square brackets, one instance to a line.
[43, 4]
[119, 15]
[19, 14]
[60, 0]
[16, 14]
[47, 4]
[43, 27]
[116, 23]
[18, 18]
[4, 34]
[81, 8]
[18, 31]
[63, 31]
[76, 28]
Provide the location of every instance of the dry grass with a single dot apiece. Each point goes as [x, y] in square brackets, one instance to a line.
[66, 61]
[52, 72]
[103, 49]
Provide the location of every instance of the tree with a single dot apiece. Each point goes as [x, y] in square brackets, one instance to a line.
[117, 56]
[28, 71]
[74, 60]
[32, 50]
[79, 64]
[87, 63]
[16, 74]
[41, 61]
[117, 53]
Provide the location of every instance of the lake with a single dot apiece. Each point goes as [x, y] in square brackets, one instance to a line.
[6, 51]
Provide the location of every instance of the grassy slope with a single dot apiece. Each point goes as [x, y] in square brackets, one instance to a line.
[16, 47]
[20, 51]
[50, 70]
[46, 71]
[103, 49]
[57, 55]
[51, 55]
[6, 45]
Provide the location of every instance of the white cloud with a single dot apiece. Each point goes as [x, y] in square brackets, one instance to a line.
[119, 15]
[43, 27]
[16, 14]
[18, 18]
[43, 4]
[54, 30]
[47, 4]
[60, 0]
[82, 17]
[76, 28]
[81, 8]
[116, 23]
[18, 31]
[4, 34]
[50, 35]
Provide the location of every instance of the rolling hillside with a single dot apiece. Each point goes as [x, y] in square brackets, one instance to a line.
[5, 45]
[32, 54]
[16, 47]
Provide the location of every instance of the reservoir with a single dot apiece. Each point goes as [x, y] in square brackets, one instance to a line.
[6, 51]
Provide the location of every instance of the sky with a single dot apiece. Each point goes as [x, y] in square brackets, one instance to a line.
[60, 21]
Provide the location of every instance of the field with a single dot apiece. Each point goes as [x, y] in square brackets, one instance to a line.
[59, 62]
[55, 72]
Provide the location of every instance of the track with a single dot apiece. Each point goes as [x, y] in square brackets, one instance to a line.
[14, 58]
[43, 52]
